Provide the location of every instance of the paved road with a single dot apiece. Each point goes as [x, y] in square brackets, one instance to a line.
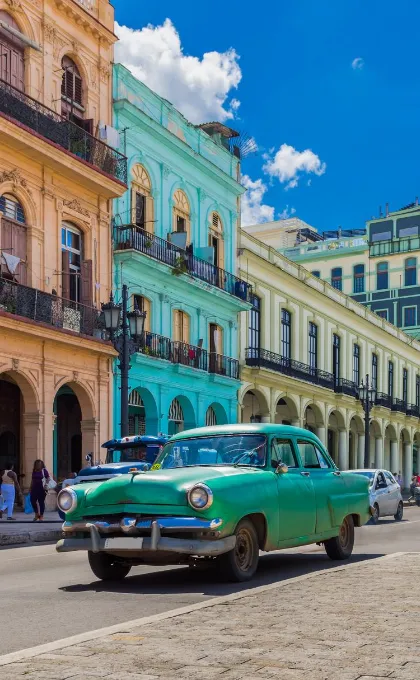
[46, 596]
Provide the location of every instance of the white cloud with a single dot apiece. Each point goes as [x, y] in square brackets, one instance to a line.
[198, 86]
[286, 213]
[288, 165]
[357, 64]
[253, 210]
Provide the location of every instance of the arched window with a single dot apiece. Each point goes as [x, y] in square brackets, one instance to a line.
[211, 418]
[72, 95]
[13, 239]
[410, 271]
[77, 283]
[142, 213]
[181, 217]
[216, 240]
[176, 417]
[12, 59]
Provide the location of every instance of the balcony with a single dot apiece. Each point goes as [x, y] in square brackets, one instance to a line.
[383, 399]
[347, 387]
[262, 358]
[61, 132]
[391, 247]
[130, 237]
[181, 353]
[399, 405]
[56, 312]
[413, 410]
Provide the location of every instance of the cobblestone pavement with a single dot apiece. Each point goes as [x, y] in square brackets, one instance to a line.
[352, 623]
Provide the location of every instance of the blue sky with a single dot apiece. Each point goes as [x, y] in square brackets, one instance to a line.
[297, 87]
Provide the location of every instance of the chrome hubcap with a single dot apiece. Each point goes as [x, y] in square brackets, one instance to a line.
[244, 552]
[344, 534]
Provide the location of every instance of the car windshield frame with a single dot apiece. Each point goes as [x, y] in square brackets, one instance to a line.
[366, 473]
[141, 448]
[238, 460]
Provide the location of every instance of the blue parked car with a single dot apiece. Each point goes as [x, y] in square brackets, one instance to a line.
[139, 452]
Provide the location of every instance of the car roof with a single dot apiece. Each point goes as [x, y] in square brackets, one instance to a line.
[245, 428]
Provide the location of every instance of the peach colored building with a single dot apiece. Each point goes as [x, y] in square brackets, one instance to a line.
[58, 176]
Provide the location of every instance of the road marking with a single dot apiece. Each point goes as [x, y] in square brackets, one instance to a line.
[30, 557]
[49, 647]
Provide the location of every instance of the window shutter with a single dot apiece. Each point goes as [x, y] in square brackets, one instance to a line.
[140, 210]
[185, 328]
[65, 274]
[86, 278]
[147, 307]
[177, 324]
[149, 214]
[19, 240]
[6, 241]
[77, 89]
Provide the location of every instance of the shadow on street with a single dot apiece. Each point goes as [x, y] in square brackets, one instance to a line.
[273, 567]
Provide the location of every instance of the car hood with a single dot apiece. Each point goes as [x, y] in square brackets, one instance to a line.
[160, 487]
[111, 469]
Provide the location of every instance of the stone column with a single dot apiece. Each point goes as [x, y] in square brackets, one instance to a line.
[33, 424]
[360, 450]
[343, 450]
[320, 433]
[395, 456]
[379, 452]
[90, 439]
[408, 464]
[296, 422]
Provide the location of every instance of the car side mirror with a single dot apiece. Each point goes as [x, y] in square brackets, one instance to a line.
[282, 469]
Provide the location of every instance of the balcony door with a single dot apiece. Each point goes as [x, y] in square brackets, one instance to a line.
[216, 347]
[12, 58]
[77, 284]
[13, 239]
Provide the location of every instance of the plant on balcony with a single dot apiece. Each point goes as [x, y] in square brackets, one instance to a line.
[148, 243]
[180, 266]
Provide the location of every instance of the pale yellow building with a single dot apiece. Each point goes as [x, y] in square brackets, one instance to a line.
[304, 350]
[58, 177]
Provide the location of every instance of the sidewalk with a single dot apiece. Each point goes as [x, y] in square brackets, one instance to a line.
[24, 530]
[354, 622]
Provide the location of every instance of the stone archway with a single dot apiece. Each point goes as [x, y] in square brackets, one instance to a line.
[337, 439]
[20, 424]
[313, 420]
[376, 444]
[391, 450]
[142, 413]
[216, 415]
[356, 442]
[255, 407]
[286, 412]
[181, 415]
[75, 429]
[407, 456]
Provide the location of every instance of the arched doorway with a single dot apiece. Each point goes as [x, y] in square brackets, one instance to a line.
[356, 443]
[68, 433]
[12, 67]
[338, 439]
[391, 452]
[313, 421]
[10, 424]
[286, 411]
[254, 407]
[142, 413]
[181, 415]
[216, 415]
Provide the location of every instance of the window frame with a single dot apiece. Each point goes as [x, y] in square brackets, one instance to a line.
[382, 273]
[337, 279]
[254, 324]
[374, 371]
[316, 273]
[405, 309]
[356, 364]
[405, 385]
[318, 453]
[409, 270]
[390, 379]
[313, 346]
[286, 334]
[336, 359]
[380, 312]
[292, 449]
[358, 276]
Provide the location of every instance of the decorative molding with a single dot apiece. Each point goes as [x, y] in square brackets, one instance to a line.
[15, 5]
[15, 177]
[58, 379]
[75, 376]
[166, 171]
[77, 207]
[93, 77]
[104, 70]
[203, 196]
[36, 3]
[15, 364]
[50, 33]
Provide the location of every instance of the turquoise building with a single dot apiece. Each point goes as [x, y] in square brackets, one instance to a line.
[175, 241]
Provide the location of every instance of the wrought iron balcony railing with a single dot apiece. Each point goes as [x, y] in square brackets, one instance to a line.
[348, 387]
[399, 405]
[130, 237]
[221, 365]
[57, 312]
[61, 131]
[413, 410]
[155, 345]
[383, 399]
[189, 355]
[295, 369]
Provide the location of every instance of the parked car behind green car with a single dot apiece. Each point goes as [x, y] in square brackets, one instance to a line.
[218, 494]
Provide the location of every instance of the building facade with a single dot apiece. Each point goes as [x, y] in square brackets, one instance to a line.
[57, 183]
[175, 241]
[378, 267]
[306, 347]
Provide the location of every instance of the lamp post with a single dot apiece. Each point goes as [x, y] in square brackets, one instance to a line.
[367, 396]
[125, 329]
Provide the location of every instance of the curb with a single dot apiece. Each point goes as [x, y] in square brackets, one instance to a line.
[30, 537]
[49, 647]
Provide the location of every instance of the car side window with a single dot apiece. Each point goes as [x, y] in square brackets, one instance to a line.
[311, 456]
[389, 479]
[380, 481]
[282, 452]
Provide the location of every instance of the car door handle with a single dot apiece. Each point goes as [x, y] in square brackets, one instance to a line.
[305, 474]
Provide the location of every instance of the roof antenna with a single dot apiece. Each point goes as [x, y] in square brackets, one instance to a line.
[380, 211]
[386, 209]
[417, 200]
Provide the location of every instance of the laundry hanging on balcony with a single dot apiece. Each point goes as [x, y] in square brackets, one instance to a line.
[11, 262]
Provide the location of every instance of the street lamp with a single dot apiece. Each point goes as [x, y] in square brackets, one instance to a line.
[367, 396]
[125, 329]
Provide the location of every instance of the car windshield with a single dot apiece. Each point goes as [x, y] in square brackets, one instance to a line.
[243, 449]
[366, 473]
[126, 455]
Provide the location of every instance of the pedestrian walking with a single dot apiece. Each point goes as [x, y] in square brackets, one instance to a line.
[9, 488]
[40, 476]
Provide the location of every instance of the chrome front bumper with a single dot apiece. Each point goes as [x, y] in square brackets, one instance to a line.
[126, 536]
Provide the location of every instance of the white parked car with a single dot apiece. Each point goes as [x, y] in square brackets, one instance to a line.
[385, 494]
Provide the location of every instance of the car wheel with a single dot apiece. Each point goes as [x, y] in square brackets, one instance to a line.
[341, 547]
[400, 512]
[240, 564]
[375, 516]
[106, 567]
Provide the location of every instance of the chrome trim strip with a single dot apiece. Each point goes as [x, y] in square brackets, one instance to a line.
[182, 546]
[129, 525]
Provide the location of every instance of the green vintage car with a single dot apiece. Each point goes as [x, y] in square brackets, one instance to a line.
[218, 495]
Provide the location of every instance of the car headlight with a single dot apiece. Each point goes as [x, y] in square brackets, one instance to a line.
[67, 500]
[200, 497]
